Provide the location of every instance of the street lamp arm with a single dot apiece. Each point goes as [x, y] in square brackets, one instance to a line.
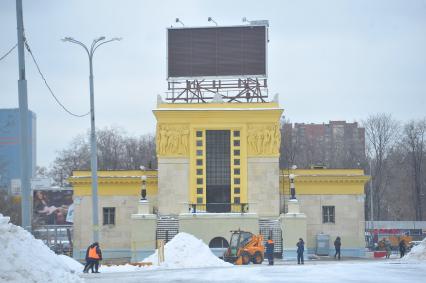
[96, 47]
[72, 40]
[96, 40]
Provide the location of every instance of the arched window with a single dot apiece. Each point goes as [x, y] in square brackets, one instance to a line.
[218, 242]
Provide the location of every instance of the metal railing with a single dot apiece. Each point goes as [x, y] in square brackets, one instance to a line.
[219, 208]
[57, 237]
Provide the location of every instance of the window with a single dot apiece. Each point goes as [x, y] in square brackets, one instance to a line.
[236, 133]
[109, 215]
[199, 200]
[237, 181]
[328, 214]
[236, 162]
[199, 134]
[237, 200]
[236, 142]
[237, 152]
[199, 143]
[199, 181]
[237, 171]
[199, 152]
[199, 191]
[218, 159]
[236, 190]
[199, 162]
[199, 171]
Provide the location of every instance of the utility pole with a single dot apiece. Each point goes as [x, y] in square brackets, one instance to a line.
[23, 115]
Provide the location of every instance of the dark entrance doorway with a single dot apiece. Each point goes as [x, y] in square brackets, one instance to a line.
[218, 170]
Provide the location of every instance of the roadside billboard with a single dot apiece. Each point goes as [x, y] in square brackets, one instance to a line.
[52, 207]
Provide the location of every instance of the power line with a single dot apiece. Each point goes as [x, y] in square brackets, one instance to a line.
[8, 52]
[47, 85]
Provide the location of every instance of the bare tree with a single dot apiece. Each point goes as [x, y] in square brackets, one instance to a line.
[116, 151]
[287, 147]
[110, 148]
[75, 157]
[414, 140]
[381, 131]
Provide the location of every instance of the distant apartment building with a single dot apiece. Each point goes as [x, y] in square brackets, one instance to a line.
[337, 144]
[10, 161]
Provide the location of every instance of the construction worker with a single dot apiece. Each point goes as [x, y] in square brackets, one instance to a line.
[270, 251]
[300, 249]
[93, 256]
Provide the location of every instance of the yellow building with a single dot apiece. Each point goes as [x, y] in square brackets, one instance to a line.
[218, 171]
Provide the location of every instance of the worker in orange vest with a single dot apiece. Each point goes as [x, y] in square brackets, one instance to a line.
[93, 256]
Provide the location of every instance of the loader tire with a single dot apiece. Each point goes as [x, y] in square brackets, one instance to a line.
[245, 256]
[257, 258]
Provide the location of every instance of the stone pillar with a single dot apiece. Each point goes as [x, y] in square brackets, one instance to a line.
[173, 185]
[263, 186]
[293, 225]
[143, 232]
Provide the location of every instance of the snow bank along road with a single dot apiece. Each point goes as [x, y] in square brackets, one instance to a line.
[366, 271]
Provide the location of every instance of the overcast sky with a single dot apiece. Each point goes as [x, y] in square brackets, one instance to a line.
[328, 60]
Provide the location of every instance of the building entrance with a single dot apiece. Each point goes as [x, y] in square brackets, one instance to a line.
[218, 170]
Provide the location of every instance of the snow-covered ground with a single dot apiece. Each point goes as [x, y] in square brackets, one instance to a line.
[188, 259]
[389, 271]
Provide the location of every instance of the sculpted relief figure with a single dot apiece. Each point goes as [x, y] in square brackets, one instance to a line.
[173, 139]
[264, 139]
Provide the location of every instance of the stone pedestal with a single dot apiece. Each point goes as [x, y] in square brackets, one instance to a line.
[143, 233]
[143, 207]
[293, 225]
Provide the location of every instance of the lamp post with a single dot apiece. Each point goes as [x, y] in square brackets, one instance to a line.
[143, 189]
[292, 188]
[93, 149]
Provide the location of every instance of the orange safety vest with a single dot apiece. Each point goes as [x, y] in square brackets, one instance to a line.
[93, 253]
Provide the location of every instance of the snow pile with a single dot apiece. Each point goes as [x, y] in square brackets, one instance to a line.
[417, 252]
[25, 259]
[186, 251]
[72, 264]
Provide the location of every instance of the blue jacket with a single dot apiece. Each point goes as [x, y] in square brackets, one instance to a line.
[269, 248]
[300, 247]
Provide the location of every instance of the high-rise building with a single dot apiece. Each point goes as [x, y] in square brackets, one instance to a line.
[10, 159]
[337, 144]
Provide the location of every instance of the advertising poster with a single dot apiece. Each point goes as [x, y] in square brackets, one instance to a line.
[52, 207]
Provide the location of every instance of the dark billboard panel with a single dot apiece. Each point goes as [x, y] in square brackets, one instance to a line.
[238, 51]
[52, 207]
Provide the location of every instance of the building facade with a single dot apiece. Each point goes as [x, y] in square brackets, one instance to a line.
[218, 170]
[10, 160]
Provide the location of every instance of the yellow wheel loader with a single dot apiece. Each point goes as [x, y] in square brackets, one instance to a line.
[245, 247]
